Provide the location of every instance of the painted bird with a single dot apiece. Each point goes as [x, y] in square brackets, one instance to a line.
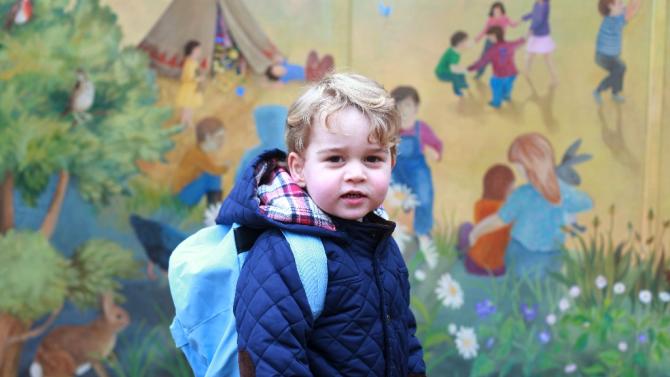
[82, 97]
[158, 241]
[20, 13]
[565, 170]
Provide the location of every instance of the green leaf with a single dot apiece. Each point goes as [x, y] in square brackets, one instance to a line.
[582, 342]
[594, 370]
[610, 358]
[483, 366]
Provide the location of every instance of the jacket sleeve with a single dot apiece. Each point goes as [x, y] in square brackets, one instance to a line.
[272, 312]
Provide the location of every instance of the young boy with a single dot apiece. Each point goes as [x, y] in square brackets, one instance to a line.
[501, 57]
[411, 169]
[341, 138]
[197, 174]
[448, 69]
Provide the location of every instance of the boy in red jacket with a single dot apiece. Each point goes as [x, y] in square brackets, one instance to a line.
[501, 57]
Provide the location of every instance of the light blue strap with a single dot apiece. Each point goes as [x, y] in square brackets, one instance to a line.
[312, 264]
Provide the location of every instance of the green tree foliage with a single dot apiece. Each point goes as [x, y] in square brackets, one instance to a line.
[38, 63]
[33, 276]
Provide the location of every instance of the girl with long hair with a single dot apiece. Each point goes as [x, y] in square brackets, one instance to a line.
[537, 210]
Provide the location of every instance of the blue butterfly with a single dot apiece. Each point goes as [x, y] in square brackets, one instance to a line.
[384, 10]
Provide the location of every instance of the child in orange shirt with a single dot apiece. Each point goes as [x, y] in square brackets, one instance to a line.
[198, 174]
[487, 255]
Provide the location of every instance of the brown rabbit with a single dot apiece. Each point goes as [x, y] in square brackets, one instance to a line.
[72, 350]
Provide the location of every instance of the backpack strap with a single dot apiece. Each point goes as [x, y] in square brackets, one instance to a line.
[312, 264]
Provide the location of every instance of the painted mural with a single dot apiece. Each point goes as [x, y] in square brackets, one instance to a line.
[530, 191]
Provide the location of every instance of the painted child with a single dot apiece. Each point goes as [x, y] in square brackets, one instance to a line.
[448, 69]
[501, 57]
[540, 41]
[497, 17]
[537, 210]
[198, 174]
[608, 45]
[487, 256]
[341, 137]
[189, 96]
[412, 169]
[270, 123]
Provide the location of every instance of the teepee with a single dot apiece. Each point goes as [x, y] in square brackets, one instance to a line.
[211, 22]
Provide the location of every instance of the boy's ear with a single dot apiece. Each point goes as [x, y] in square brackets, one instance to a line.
[296, 164]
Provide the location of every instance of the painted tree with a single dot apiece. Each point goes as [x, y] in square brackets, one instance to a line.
[96, 152]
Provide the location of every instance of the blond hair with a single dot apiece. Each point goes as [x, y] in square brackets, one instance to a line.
[334, 93]
[535, 153]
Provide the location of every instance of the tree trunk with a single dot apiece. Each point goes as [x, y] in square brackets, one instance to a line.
[10, 326]
[7, 203]
[51, 218]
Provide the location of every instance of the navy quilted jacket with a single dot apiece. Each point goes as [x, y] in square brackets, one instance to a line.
[366, 327]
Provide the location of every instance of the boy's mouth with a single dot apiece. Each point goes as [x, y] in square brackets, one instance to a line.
[353, 195]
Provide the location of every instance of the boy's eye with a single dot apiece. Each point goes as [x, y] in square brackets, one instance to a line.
[334, 159]
[374, 159]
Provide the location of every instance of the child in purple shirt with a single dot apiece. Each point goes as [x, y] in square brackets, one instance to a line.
[540, 41]
[501, 57]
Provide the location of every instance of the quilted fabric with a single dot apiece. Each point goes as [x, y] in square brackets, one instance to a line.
[366, 327]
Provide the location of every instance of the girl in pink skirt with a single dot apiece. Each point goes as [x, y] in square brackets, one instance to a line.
[540, 41]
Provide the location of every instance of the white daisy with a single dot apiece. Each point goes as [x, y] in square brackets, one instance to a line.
[401, 196]
[211, 212]
[575, 291]
[452, 329]
[623, 346]
[402, 237]
[449, 292]
[645, 296]
[420, 275]
[664, 296]
[429, 252]
[619, 288]
[601, 282]
[466, 342]
[564, 304]
[551, 319]
[570, 368]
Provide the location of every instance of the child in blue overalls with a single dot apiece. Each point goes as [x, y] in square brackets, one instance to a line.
[411, 168]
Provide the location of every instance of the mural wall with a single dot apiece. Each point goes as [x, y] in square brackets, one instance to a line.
[118, 139]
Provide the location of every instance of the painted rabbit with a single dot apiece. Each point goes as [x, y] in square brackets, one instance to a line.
[72, 350]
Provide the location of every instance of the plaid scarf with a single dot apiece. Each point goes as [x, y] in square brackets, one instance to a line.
[281, 199]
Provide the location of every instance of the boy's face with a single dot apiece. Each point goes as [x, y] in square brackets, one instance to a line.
[463, 45]
[408, 110]
[344, 173]
[213, 141]
[617, 7]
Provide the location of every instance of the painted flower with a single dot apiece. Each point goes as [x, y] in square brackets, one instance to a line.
[449, 292]
[645, 296]
[466, 342]
[402, 237]
[429, 252]
[211, 212]
[420, 275]
[452, 329]
[623, 346]
[664, 296]
[601, 282]
[485, 308]
[529, 313]
[575, 291]
[401, 196]
[544, 336]
[564, 304]
[642, 338]
[619, 288]
[570, 368]
[490, 342]
[551, 319]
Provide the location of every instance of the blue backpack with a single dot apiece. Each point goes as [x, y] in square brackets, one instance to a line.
[203, 275]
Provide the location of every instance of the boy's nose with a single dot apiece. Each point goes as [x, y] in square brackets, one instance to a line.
[355, 172]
